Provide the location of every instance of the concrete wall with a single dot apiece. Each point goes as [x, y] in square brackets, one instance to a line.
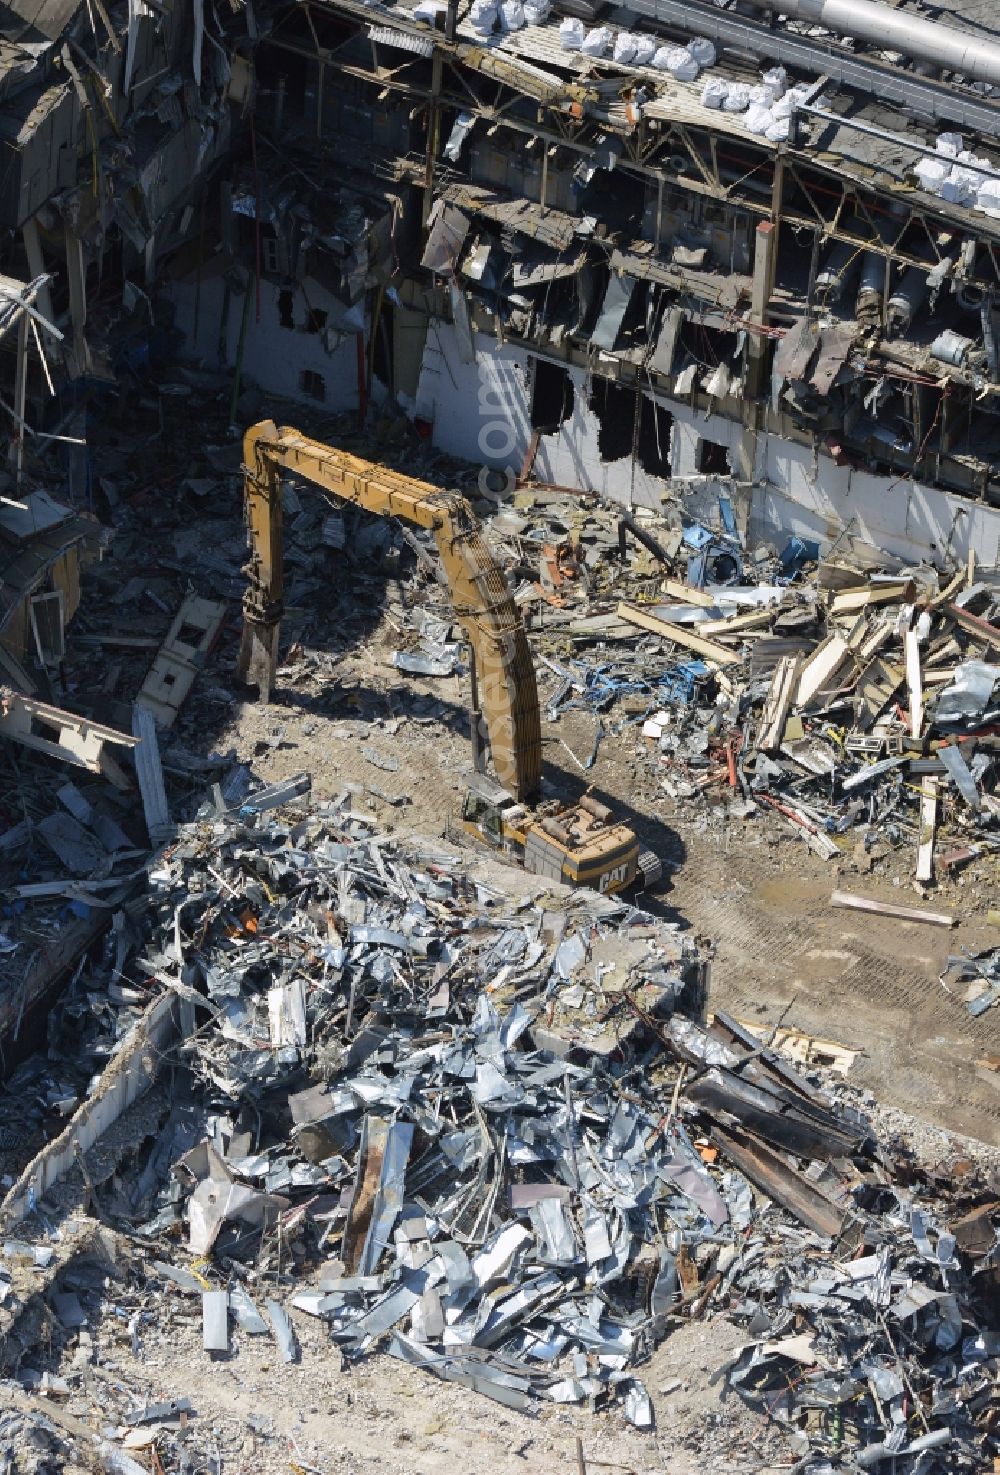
[276, 357]
[905, 518]
[481, 412]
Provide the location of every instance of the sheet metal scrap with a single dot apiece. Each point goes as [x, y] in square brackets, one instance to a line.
[494, 1155]
[976, 977]
[422, 996]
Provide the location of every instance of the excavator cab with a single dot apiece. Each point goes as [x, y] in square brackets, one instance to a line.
[484, 815]
[577, 845]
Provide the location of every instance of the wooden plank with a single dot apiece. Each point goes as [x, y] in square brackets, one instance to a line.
[755, 619]
[974, 625]
[945, 595]
[778, 704]
[914, 682]
[686, 594]
[815, 672]
[678, 633]
[873, 643]
[846, 601]
[928, 825]
[876, 687]
[854, 903]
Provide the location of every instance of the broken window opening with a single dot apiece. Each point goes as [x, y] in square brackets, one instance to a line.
[551, 396]
[713, 458]
[45, 730]
[653, 448]
[270, 258]
[615, 411]
[48, 626]
[312, 384]
[286, 298]
[189, 634]
[382, 355]
[315, 320]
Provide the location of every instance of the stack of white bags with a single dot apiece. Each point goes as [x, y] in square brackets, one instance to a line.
[767, 106]
[634, 48]
[955, 174]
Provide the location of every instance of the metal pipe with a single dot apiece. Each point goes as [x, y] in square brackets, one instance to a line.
[895, 30]
[917, 146]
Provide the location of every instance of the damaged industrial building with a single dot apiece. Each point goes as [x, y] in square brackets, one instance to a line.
[561, 245]
[499, 736]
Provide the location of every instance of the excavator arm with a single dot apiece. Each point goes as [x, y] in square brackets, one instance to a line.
[482, 601]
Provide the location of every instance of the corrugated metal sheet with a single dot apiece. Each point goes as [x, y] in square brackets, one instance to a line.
[50, 17]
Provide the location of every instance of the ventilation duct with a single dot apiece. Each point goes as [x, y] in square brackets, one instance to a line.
[899, 30]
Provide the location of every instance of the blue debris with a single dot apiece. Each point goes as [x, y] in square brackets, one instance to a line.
[796, 553]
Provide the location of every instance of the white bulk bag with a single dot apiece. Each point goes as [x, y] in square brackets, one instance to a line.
[597, 41]
[571, 34]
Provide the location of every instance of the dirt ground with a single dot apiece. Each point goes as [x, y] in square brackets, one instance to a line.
[752, 890]
[750, 887]
[381, 1417]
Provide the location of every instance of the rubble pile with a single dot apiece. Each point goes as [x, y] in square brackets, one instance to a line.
[485, 1133]
[851, 698]
[443, 1130]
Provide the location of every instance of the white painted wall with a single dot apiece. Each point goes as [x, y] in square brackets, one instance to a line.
[274, 357]
[572, 458]
[481, 413]
[907, 519]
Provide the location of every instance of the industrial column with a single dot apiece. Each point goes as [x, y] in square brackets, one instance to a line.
[757, 355]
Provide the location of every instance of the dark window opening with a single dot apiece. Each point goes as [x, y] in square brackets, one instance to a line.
[615, 411]
[382, 358]
[713, 459]
[653, 447]
[44, 730]
[270, 255]
[315, 320]
[285, 299]
[551, 396]
[312, 384]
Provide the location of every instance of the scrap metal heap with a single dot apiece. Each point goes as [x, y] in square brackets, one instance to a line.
[486, 1133]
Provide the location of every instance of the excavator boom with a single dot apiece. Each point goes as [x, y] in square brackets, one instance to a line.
[482, 601]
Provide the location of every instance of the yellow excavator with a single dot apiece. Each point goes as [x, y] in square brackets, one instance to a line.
[578, 844]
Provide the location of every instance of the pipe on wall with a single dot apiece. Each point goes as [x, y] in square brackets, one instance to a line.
[899, 30]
